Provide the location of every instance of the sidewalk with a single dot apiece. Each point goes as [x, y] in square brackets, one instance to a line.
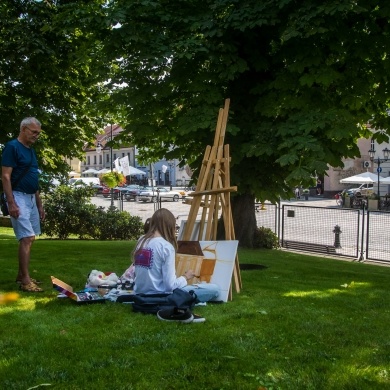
[318, 201]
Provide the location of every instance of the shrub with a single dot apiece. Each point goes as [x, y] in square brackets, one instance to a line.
[114, 224]
[70, 212]
[265, 238]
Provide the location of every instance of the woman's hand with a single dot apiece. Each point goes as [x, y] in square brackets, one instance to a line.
[189, 274]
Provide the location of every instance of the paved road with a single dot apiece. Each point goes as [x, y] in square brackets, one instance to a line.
[145, 209]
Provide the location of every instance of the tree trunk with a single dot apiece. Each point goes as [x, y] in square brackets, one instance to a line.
[244, 219]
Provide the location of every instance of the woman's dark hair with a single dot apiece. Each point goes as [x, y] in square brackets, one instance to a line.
[146, 225]
[164, 222]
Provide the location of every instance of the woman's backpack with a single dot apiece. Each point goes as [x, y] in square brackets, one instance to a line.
[152, 303]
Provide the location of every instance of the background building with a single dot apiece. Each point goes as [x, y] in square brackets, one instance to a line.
[101, 156]
[353, 167]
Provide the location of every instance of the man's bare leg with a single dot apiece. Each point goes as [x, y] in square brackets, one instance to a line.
[24, 259]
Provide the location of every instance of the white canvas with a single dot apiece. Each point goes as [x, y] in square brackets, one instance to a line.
[224, 253]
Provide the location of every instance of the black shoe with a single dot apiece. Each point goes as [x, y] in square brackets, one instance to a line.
[175, 315]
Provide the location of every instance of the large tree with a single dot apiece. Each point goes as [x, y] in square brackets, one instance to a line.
[51, 67]
[304, 81]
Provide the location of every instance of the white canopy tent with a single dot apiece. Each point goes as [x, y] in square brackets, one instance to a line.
[385, 180]
[362, 178]
[91, 170]
[136, 171]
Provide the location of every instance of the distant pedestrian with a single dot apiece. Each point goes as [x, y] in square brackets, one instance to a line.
[297, 193]
[319, 187]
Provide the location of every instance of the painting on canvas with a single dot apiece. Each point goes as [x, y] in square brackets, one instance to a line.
[224, 255]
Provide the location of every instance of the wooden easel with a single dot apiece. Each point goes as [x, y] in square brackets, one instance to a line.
[214, 187]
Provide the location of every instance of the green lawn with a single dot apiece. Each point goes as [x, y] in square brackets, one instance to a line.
[301, 322]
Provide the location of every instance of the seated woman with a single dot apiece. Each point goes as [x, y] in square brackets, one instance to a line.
[154, 260]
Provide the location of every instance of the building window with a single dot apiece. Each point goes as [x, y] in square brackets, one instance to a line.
[107, 158]
[114, 156]
[100, 159]
[94, 160]
[88, 160]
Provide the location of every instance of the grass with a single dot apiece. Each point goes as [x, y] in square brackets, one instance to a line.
[301, 322]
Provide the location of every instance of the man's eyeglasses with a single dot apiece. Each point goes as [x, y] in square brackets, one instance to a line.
[34, 132]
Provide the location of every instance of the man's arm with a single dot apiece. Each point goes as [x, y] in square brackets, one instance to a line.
[7, 188]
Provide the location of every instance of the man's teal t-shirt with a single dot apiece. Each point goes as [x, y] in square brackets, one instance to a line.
[19, 157]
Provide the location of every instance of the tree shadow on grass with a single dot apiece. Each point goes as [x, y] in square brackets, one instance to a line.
[252, 267]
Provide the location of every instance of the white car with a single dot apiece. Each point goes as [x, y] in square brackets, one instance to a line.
[161, 193]
[362, 190]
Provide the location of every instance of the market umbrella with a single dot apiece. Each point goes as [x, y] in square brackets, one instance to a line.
[104, 170]
[362, 178]
[136, 171]
[91, 170]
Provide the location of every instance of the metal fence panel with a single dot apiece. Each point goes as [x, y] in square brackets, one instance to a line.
[377, 238]
[320, 229]
[267, 216]
[304, 227]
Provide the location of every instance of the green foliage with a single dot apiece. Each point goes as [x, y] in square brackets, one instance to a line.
[113, 179]
[69, 212]
[265, 238]
[303, 81]
[116, 225]
[300, 322]
[52, 68]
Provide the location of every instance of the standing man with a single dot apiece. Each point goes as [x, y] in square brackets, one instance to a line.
[21, 188]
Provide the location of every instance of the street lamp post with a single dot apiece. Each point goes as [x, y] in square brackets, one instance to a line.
[170, 164]
[112, 190]
[99, 149]
[378, 160]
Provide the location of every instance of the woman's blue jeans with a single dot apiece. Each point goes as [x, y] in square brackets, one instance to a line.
[204, 291]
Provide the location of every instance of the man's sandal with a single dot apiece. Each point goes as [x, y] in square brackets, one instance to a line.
[32, 280]
[30, 287]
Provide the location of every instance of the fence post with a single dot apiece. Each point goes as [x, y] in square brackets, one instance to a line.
[337, 231]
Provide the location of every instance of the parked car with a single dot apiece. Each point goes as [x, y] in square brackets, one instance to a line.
[94, 182]
[362, 190]
[117, 191]
[133, 194]
[99, 188]
[163, 193]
